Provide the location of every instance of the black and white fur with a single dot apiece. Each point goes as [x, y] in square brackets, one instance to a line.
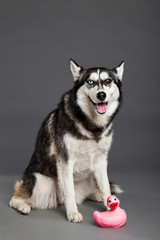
[71, 152]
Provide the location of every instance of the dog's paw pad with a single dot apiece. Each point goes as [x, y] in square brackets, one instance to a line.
[75, 217]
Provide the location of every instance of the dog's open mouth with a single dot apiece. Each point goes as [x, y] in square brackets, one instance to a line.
[100, 108]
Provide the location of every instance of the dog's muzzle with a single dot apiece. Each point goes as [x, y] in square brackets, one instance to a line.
[101, 96]
[100, 108]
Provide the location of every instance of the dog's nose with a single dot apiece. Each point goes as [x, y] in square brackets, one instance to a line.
[101, 96]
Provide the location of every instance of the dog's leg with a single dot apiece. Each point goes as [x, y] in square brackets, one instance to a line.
[21, 199]
[95, 195]
[67, 184]
[100, 172]
[44, 193]
[36, 191]
[20, 204]
[83, 189]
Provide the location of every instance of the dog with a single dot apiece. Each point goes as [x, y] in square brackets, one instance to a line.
[69, 163]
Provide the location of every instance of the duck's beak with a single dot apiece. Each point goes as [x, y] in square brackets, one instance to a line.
[113, 205]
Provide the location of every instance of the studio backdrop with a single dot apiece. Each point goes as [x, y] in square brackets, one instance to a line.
[37, 40]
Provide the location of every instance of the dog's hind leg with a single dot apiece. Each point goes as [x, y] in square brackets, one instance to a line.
[21, 199]
[83, 189]
[44, 194]
[96, 196]
[20, 204]
[34, 191]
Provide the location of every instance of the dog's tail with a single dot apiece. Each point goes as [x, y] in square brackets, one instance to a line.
[115, 188]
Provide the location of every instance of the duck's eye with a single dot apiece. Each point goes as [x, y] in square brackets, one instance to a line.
[110, 201]
[90, 82]
[115, 199]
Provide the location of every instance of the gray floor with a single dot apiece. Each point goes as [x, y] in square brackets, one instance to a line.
[140, 200]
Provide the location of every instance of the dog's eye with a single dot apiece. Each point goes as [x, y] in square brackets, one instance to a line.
[107, 81]
[110, 201]
[115, 199]
[90, 82]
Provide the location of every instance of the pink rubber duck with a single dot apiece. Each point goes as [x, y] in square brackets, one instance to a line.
[114, 218]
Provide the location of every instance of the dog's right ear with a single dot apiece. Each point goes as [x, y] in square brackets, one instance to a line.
[119, 71]
[75, 69]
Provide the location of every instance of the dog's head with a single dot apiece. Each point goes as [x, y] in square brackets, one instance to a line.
[101, 86]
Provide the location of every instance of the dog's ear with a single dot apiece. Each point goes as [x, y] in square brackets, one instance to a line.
[119, 71]
[75, 69]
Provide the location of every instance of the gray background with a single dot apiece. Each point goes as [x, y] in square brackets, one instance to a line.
[37, 40]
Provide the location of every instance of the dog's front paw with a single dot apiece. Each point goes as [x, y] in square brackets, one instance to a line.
[75, 217]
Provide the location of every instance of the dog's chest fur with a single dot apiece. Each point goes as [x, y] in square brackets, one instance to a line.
[85, 153]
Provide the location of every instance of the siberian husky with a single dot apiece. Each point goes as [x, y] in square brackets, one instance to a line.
[69, 163]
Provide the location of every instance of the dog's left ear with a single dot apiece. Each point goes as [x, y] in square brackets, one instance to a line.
[119, 71]
[75, 69]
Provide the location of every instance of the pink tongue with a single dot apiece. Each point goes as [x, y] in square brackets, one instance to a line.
[102, 107]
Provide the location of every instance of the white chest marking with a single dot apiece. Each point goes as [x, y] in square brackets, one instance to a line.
[85, 153]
